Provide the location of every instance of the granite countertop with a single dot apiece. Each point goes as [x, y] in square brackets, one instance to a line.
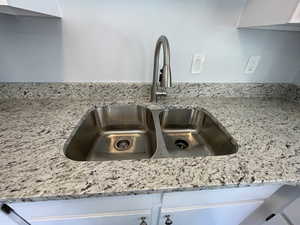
[33, 166]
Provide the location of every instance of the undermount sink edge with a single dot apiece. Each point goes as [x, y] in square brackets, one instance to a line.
[123, 132]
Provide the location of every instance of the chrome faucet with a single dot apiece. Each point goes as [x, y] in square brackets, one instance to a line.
[162, 78]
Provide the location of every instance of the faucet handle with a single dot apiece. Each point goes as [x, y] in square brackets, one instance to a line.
[161, 93]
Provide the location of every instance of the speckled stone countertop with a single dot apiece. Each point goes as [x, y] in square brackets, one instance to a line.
[33, 166]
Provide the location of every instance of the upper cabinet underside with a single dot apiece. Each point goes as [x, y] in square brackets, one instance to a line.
[271, 14]
[43, 8]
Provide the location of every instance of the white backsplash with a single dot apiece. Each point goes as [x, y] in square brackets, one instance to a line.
[102, 40]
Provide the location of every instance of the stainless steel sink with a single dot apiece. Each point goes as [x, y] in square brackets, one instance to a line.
[134, 132]
[191, 132]
[113, 133]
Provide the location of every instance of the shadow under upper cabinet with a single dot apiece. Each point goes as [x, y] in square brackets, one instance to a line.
[135, 132]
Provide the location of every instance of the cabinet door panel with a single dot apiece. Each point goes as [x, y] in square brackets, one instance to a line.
[86, 206]
[93, 220]
[232, 214]
[277, 220]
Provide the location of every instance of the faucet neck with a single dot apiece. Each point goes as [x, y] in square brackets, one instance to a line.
[165, 76]
[164, 43]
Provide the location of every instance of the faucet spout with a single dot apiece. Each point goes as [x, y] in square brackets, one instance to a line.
[161, 77]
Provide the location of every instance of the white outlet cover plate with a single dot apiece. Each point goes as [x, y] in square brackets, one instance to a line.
[252, 64]
[198, 62]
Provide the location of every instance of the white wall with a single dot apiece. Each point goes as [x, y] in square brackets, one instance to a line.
[113, 40]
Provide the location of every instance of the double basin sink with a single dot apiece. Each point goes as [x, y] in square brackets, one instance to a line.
[122, 132]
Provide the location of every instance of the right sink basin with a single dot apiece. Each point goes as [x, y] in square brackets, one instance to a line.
[193, 132]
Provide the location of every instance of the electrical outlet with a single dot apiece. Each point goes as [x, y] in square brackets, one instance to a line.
[197, 64]
[252, 64]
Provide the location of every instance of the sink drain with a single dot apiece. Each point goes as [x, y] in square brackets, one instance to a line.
[181, 144]
[122, 145]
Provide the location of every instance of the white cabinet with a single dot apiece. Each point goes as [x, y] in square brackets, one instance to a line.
[119, 210]
[277, 220]
[228, 214]
[117, 218]
[209, 207]
[214, 207]
[271, 14]
[44, 8]
[290, 215]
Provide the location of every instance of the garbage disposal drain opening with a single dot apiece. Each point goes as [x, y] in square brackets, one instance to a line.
[122, 145]
[181, 144]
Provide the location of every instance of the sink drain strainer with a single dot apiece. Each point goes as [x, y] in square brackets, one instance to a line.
[123, 144]
[181, 144]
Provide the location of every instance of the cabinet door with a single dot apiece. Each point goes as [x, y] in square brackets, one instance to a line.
[114, 219]
[277, 220]
[228, 214]
[87, 206]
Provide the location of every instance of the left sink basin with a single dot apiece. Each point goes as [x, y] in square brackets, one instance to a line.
[113, 133]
